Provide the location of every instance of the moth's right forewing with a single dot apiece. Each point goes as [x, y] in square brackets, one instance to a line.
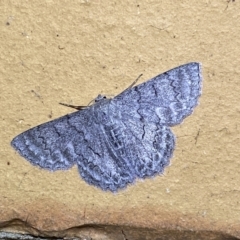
[166, 99]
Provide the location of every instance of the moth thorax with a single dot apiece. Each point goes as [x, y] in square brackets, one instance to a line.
[101, 111]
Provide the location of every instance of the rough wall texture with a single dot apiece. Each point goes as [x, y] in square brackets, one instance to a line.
[70, 51]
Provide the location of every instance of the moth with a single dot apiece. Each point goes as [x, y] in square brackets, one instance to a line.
[117, 140]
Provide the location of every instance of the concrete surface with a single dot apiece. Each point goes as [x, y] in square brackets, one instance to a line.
[70, 51]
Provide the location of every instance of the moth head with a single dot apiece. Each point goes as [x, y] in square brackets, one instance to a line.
[99, 98]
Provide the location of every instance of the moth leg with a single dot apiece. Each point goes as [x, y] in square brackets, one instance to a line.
[72, 106]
